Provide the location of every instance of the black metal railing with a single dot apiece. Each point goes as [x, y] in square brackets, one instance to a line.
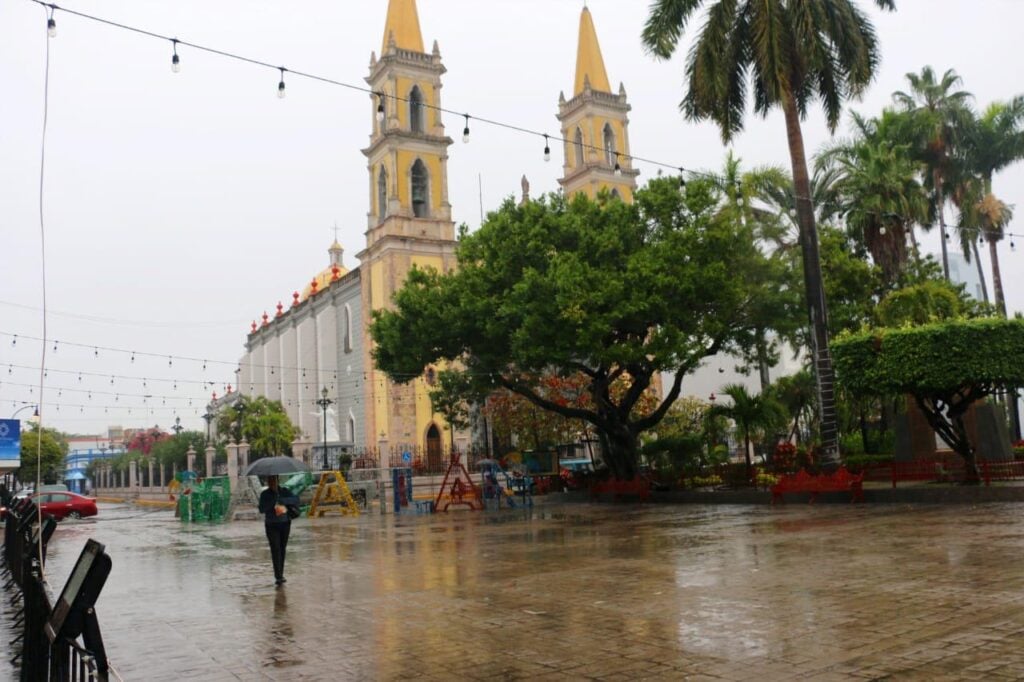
[39, 655]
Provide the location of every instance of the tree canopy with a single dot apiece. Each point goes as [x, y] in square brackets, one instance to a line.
[610, 290]
[47, 447]
[946, 366]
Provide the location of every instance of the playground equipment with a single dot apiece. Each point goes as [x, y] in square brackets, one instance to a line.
[401, 488]
[458, 488]
[205, 500]
[498, 485]
[333, 496]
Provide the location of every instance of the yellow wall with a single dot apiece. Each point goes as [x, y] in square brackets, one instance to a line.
[405, 160]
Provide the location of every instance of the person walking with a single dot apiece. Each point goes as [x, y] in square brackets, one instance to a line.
[274, 502]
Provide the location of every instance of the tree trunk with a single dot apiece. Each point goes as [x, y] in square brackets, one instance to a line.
[913, 244]
[816, 305]
[997, 277]
[939, 205]
[981, 271]
[621, 453]
[746, 455]
[963, 446]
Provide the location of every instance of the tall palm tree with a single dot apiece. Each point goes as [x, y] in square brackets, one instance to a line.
[875, 180]
[943, 111]
[995, 140]
[751, 414]
[794, 53]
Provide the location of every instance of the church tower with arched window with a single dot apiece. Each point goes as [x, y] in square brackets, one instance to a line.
[595, 125]
[409, 222]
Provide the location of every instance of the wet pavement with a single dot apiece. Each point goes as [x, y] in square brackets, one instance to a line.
[570, 592]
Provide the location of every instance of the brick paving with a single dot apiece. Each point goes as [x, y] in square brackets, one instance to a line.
[572, 592]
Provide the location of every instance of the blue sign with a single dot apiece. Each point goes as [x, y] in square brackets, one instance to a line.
[10, 443]
[406, 456]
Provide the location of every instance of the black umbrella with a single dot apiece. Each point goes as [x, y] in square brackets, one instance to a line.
[276, 466]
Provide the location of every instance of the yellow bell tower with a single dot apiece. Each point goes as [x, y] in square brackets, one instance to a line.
[409, 222]
[595, 124]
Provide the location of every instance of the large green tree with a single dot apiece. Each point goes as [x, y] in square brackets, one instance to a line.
[610, 290]
[42, 455]
[946, 366]
[793, 53]
[263, 423]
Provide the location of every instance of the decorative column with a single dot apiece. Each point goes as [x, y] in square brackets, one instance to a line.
[210, 452]
[243, 455]
[174, 470]
[133, 474]
[149, 480]
[163, 483]
[232, 448]
[190, 458]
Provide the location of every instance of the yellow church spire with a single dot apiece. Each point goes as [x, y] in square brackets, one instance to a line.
[403, 25]
[589, 62]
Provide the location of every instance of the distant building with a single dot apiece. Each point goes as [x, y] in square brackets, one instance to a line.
[82, 450]
[962, 272]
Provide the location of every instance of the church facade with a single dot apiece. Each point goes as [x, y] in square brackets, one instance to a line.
[321, 340]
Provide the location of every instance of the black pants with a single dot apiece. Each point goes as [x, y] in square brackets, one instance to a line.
[277, 536]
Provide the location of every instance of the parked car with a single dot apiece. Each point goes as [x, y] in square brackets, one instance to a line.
[66, 505]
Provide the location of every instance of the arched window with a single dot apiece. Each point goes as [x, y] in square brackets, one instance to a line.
[416, 110]
[348, 329]
[420, 189]
[382, 193]
[609, 144]
[578, 144]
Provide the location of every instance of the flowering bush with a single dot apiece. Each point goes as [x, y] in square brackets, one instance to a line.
[703, 481]
[766, 480]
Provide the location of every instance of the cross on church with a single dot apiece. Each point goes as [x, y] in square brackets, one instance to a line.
[335, 228]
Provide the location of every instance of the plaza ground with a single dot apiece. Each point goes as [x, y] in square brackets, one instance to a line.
[565, 592]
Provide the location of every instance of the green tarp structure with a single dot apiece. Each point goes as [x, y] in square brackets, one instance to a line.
[207, 500]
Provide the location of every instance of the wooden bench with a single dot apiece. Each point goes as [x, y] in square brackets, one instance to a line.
[840, 480]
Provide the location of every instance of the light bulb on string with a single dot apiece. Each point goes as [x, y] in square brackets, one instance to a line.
[95, 352]
[280, 86]
[55, 346]
[547, 149]
[380, 107]
[175, 61]
[133, 356]
[51, 25]
[14, 341]
[465, 131]
[618, 168]
[882, 230]
[682, 181]
[1013, 247]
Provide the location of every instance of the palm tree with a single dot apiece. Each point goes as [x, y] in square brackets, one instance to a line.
[995, 140]
[877, 191]
[794, 53]
[943, 113]
[750, 413]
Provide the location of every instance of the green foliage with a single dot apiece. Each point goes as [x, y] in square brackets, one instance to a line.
[451, 396]
[945, 366]
[930, 301]
[262, 422]
[857, 463]
[675, 455]
[940, 357]
[42, 455]
[565, 286]
[173, 451]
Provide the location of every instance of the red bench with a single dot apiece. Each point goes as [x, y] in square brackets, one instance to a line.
[840, 480]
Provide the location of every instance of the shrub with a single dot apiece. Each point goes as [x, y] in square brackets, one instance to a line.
[856, 463]
[703, 481]
[765, 479]
[784, 457]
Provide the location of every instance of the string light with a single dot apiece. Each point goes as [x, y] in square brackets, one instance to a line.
[547, 149]
[618, 168]
[175, 61]
[682, 181]
[51, 25]
[465, 131]
[380, 107]
[280, 86]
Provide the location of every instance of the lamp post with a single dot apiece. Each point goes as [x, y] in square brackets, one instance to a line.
[34, 419]
[324, 403]
[208, 418]
[177, 428]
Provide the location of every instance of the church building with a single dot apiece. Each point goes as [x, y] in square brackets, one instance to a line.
[321, 340]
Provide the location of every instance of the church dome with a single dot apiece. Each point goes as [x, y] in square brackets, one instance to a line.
[329, 275]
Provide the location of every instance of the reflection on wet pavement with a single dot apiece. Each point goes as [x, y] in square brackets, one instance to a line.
[568, 592]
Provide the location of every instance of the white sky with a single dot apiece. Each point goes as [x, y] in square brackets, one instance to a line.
[179, 207]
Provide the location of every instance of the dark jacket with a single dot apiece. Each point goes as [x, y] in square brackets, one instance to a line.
[269, 498]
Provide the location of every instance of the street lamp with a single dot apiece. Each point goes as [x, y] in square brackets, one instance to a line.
[34, 419]
[177, 428]
[208, 418]
[324, 403]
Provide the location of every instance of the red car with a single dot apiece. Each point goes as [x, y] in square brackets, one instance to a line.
[66, 505]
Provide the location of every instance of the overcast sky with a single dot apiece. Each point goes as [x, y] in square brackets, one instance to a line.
[179, 207]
